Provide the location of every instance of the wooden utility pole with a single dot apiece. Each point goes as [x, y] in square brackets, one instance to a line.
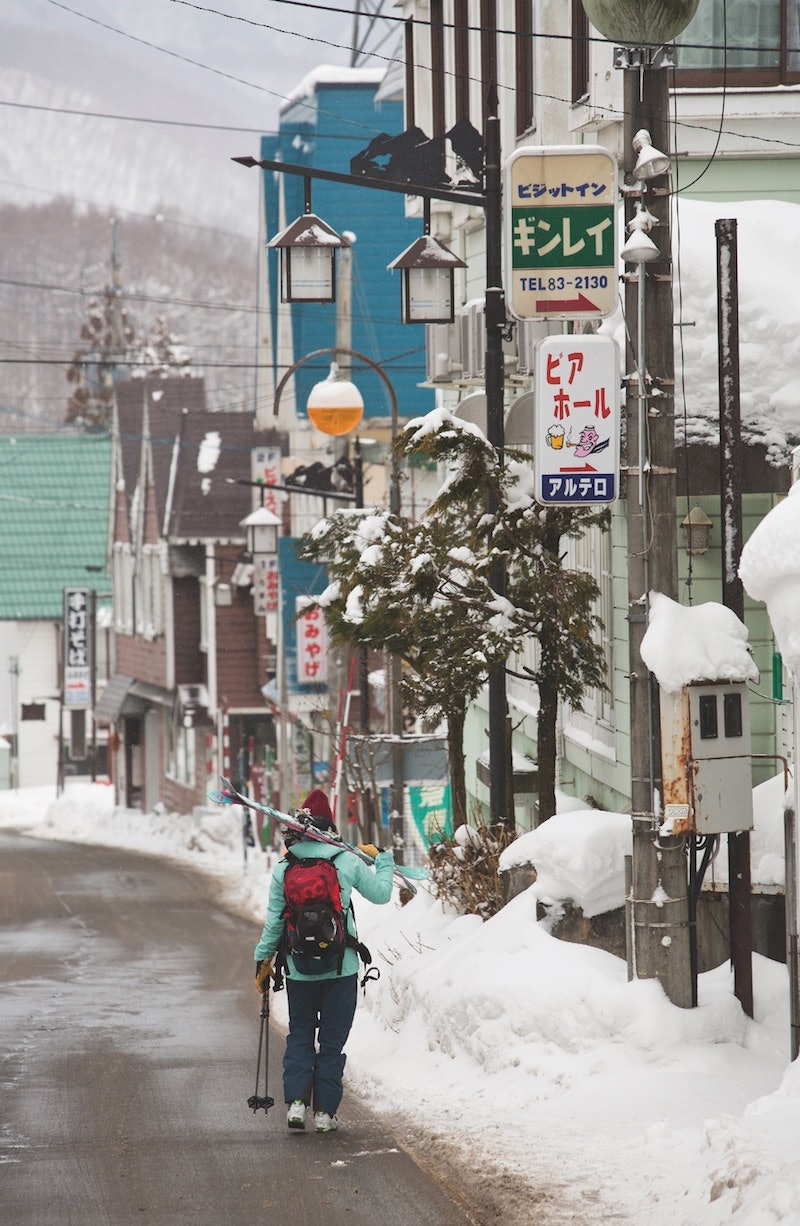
[659, 920]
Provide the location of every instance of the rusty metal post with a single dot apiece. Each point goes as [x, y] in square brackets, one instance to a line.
[740, 923]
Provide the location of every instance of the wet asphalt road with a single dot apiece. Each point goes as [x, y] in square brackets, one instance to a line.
[128, 1040]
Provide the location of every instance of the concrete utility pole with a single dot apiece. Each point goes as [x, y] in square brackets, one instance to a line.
[660, 946]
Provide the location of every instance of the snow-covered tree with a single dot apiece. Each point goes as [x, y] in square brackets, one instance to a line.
[423, 591]
[499, 518]
[110, 340]
[405, 588]
[114, 348]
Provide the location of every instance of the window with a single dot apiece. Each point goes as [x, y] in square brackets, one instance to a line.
[580, 51]
[123, 572]
[523, 11]
[732, 714]
[461, 57]
[741, 42]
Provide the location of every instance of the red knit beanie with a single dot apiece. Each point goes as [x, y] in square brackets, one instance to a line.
[317, 805]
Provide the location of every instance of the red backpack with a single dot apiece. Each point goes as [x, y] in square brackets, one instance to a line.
[315, 924]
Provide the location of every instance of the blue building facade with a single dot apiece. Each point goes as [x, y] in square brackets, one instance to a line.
[323, 129]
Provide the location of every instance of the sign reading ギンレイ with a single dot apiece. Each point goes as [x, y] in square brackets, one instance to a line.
[576, 420]
[561, 247]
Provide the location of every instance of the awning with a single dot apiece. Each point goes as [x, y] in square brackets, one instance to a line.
[127, 696]
[151, 694]
[109, 707]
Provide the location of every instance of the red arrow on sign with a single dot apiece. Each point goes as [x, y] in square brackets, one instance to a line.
[584, 468]
[581, 303]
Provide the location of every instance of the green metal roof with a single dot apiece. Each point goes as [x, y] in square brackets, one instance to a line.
[54, 496]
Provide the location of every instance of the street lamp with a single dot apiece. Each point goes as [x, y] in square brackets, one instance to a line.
[428, 271]
[400, 175]
[261, 528]
[696, 532]
[335, 406]
[307, 249]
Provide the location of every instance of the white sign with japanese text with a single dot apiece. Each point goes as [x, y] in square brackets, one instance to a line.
[576, 420]
[312, 643]
[266, 471]
[561, 246]
[77, 649]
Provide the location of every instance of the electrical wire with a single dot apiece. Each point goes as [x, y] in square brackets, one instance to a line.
[389, 60]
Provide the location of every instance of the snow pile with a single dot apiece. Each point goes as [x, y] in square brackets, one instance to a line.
[578, 856]
[599, 1096]
[704, 642]
[770, 571]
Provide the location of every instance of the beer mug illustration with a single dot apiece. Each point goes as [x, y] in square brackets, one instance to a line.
[555, 437]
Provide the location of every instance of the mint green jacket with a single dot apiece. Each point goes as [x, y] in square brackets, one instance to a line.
[375, 884]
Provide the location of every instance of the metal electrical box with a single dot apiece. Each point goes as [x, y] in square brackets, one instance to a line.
[706, 766]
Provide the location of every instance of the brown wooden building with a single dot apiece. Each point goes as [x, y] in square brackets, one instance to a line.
[191, 656]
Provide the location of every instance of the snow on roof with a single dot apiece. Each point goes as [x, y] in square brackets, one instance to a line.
[704, 642]
[331, 74]
[768, 265]
[770, 571]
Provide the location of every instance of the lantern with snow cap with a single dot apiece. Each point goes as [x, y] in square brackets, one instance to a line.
[427, 268]
[307, 250]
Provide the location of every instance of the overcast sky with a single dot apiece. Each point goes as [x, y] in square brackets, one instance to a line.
[231, 63]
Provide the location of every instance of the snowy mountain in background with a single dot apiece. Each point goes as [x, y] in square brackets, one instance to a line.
[58, 258]
[187, 215]
[46, 149]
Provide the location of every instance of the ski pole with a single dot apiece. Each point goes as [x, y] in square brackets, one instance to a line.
[257, 1102]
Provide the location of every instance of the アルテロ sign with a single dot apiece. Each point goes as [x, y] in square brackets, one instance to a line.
[576, 420]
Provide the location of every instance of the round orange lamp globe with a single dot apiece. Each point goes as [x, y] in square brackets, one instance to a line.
[335, 406]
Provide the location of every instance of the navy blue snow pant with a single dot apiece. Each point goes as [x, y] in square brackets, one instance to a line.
[321, 1010]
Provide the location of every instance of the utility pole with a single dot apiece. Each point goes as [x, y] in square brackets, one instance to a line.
[739, 881]
[659, 903]
[501, 803]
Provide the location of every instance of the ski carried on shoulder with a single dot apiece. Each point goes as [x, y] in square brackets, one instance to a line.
[228, 795]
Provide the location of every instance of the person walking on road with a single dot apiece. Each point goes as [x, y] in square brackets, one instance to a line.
[310, 908]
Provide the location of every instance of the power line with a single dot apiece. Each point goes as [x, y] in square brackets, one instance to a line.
[133, 296]
[391, 59]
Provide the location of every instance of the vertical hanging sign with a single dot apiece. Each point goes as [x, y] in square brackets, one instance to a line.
[266, 470]
[576, 420]
[77, 686]
[312, 643]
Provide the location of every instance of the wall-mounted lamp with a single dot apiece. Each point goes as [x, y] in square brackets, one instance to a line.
[650, 163]
[426, 292]
[696, 528]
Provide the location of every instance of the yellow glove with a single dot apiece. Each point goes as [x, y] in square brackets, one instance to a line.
[264, 972]
[369, 849]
